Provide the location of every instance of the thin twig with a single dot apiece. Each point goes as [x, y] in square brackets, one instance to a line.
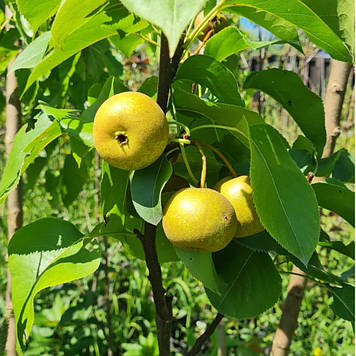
[187, 166]
[202, 339]
[206, 37]
[220, 155]
[203, 167]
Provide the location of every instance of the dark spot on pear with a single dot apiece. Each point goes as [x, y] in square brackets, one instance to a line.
[122, 139]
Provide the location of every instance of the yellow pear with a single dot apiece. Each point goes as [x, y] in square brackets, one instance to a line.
[130, 131]
[199, 219]
[239, 192]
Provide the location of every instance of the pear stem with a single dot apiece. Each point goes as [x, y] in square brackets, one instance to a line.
[186, 162]
[203, 168]
[185, 127]
[207, 36]
[180, 140]
[220, 155]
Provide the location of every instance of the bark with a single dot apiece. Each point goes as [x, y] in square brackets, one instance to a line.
[163, 301]
[109, 337]
[334, 98]
[351, 111]
[14, 200]
[333, 103]
[221, 339]
[290, 311]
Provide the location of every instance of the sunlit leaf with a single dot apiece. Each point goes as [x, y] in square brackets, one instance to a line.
[55, 255]
[285, 201]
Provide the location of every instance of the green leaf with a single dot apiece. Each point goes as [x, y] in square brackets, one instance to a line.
[40, 142]
[111, 87]
[113, 190]
[347, 250]
[249, 282]
[146, 188]
[33, 53]
[165, 250]
[344, 302]
[8, 49]
[281, 28]
[127, 44]
[65, 23]
[340, 159]
[284, 200]
[195, 162]
[172, 16]
[212, 74]
[262, 242]
[37, 14]
[73, 179]
[299, 14]
[349, 273]
[93, 29]
[217, 113]
[303, 154]
[25, 148]
[229, 41]
[334, 196]
[236, 153]
[34, 171]
[344, 169]
[201, 266]
[339, 15]
[42, 254]
[303, 105]
[149, 86]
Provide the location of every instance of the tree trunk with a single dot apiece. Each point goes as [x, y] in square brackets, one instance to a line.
[333, 105]
[14, 200]
[221, 339]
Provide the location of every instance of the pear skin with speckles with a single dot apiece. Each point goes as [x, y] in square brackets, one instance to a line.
[239, 192]
[199, 219]
[130, 131]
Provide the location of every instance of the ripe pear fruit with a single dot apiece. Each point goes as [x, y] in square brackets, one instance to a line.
[199, 219]
[239, 192]
[130, 131]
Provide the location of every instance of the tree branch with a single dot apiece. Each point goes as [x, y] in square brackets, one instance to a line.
[163, 301]
[14, 199]
[202, 339]
[109, 337]
[164, 76]
[334, 99]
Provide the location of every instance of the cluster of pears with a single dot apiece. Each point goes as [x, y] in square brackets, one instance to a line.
[206, 220]
[130, 132]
